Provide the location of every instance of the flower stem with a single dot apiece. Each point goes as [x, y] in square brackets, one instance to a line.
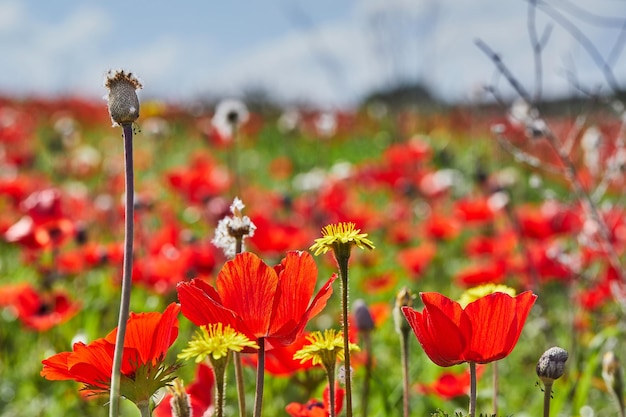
[126, 273]
[144, 408]
[342, 261]
[330, 373]
[220, 384]
[241, 392]
[404, 357]
[494, 368]
[365, 394]
[472, 405]
[547, 394]
[260, 378]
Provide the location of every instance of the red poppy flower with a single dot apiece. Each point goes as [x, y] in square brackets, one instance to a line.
[450, 385]
[148, 337]
[484, 331]
[416, 260]
[317, 408]
[38, 310]
[200, 394]
[257, 300]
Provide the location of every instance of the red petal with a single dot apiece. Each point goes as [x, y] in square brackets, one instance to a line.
[248, 287]
[296, 283]
[442, 328]
[496, 326]
[202, 309]
[55, 367]
[92, 364]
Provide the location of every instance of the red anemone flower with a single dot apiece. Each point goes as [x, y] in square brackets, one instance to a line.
[317, 408]
[148, 337]
[38, 310]
[484, 331]
[257, 300]
[450, 385]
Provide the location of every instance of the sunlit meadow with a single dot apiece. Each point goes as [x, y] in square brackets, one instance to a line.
[418, 205]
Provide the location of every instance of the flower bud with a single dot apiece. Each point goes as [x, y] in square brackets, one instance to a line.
[362, 316]
[122, 97]
[180, 402]
[612, 375]
[403, 299]
[551, 365]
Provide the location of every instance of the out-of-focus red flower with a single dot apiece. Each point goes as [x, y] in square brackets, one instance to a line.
[475, 210]
[379, 283]
[596, 296]
[38, 310]
[438, 226]
[484, 331]
[257, 300]
[416, 260]
[200, 180]
[547, 220]
[273, 236]
[148, 337]
[450, 385]
[280, 362]
[499, 245]
[200, 393]
[317, 408]
[482, 272]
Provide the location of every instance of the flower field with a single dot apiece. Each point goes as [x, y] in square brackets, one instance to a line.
[441, 202]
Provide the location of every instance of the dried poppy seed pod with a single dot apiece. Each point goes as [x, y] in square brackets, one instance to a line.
[122, 97]
[551, 365]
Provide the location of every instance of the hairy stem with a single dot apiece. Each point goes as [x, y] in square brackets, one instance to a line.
[404, 357]
[342, 261]
[472, 404]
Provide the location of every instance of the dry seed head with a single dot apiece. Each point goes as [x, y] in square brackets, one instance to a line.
[551, 365]
[122, 97]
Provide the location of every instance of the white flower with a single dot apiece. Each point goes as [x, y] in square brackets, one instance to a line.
[233, 229]
[229, 115]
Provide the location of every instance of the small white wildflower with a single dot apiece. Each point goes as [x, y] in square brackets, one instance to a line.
[229, 115]
[233, 229]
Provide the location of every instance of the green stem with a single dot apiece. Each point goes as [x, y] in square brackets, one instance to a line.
[220, 384]
[241, 392]
[260, 378]
[365, 394]
[495, 387]
[404, 358]
[547, 394]
[126, 273]
[472, 405]
[342, 261]
[330, 373]
[144, 408]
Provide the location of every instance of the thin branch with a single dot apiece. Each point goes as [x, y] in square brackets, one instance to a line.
[584, 41]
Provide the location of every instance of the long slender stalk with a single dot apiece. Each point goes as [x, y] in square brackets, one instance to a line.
[126, 273]
[241, 391]
[330, 373]
[342, 261]
[260, 378]
[547, 395]
[365, 394]
[472, 404]
[404, 357]
[494, 368]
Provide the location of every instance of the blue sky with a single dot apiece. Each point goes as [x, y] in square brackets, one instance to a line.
[328, 52]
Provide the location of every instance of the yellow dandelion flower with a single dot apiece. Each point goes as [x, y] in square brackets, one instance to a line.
[336, 236]
[474, 293]
[215, 341]
[325, 348]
